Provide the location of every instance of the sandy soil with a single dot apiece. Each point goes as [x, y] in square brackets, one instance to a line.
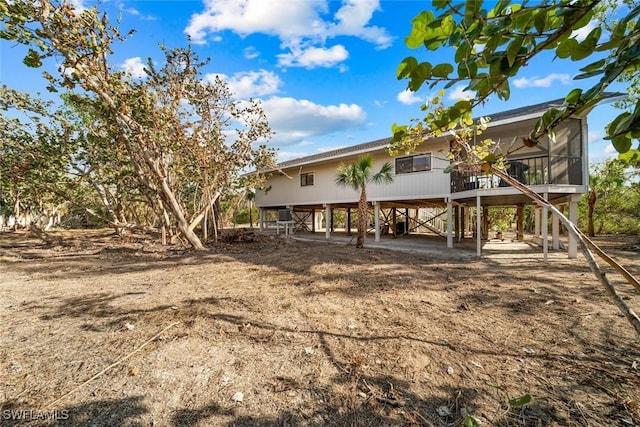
[280, 332]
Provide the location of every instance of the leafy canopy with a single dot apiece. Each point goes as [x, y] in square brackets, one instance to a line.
[494, 40]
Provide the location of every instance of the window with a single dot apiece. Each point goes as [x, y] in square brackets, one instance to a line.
[418, 163]
[306, 179]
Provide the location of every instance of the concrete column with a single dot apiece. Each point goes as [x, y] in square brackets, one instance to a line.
[313, 220]
[545, 230]
[485, 223]
[395, 221]
[332, 224]
[348, 221]
[327, 216]
[449, 224]
[463, 222]
[261, 218]
[478, 227]
[573, 217]
[520, 222]
[555, 232]
[376, 221]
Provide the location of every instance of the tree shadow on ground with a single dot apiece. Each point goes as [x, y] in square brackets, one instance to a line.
[111, 412]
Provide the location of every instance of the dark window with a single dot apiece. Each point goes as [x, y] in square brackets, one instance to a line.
[306, 179]
[418, 163]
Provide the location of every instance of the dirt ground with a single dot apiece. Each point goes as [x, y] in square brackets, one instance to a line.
[282, 332]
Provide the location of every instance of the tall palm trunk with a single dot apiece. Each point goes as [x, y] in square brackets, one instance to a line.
[362, 218]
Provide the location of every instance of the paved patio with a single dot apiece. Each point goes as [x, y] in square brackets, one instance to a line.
[435, 245]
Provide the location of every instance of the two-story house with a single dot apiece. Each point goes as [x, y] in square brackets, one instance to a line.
[457, 203]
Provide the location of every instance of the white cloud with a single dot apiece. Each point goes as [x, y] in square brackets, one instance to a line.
[459, 93]
[294, 120]
[408, 97]
[78, 5]
[312, 57]
[250, 83]
[610, 149]
[379, 103]
[582, 33]
[302, 26]
[135, 67]
[353, 17]
[283, 156]
[547, 81]
[250, 52]
[594, 136]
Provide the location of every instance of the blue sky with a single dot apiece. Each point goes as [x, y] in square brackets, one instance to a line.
[324, 70]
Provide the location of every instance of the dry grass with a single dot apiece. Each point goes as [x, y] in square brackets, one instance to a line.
[310, 334]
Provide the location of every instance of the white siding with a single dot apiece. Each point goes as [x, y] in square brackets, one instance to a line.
[287, 191]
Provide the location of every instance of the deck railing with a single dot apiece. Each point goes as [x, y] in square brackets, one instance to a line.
[539, 170]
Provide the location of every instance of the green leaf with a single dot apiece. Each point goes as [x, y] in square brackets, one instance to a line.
[32, 59]
[587, 75]
[442, 70]
[574, 96]
[462, 53]
[540, 20]
[520, 401]
[500, 7]
[630, 156]
[471, 9]
[621, 143]
[419, 24]
[405, 67]
[513, 50]
[470, 421]
[398, 132]
[566, 48]
[440, 4]
[504, 91]
[620, 124]
[418, 75]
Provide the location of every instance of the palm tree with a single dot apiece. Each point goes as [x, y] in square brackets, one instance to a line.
[357, 175]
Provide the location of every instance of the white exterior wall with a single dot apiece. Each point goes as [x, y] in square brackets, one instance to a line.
[287, 191]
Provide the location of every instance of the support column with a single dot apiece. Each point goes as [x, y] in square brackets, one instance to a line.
[573, 217]
[327, 218]
[261, 218]
[545, 229]
[313, 220]
[555, 232]
[485, 223]
[520, 222]
[348, 221]
[456, 223]
[463, 222]
[449, 224]
[376, 221]
[407, 222]
[395, 221]
[478, 227]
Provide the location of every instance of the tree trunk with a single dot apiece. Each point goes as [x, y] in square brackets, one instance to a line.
[362, 218]
[593, 198]
[170, 198]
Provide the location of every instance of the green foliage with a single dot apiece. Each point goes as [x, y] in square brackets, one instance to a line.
[357, 175]
[159, 144]
[618, 198]
[491, 46]
[520, 401]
